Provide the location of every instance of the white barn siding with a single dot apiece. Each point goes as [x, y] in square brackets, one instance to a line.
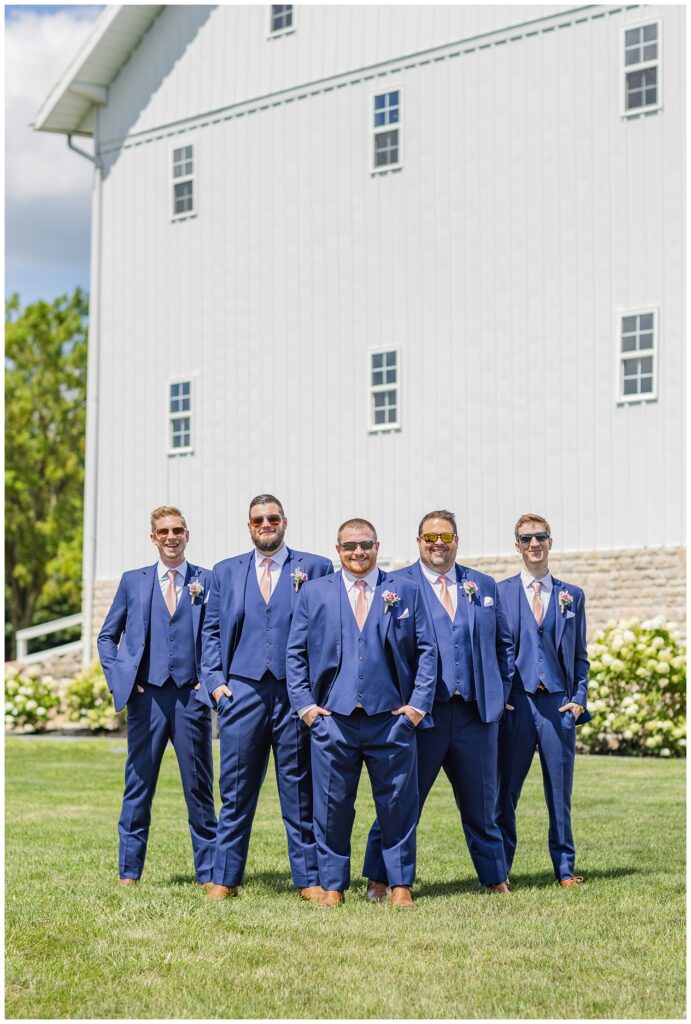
[526, 214]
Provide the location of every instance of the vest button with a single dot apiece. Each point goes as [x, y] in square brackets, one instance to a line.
[361, 658]
[456, 645]
[361, 675]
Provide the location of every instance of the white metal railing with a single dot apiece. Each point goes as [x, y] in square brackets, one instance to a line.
[23, 636]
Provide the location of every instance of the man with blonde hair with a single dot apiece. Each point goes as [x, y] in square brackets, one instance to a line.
[548, 696]
[150, 649]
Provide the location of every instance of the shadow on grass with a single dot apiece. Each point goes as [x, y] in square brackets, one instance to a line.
[538, 879]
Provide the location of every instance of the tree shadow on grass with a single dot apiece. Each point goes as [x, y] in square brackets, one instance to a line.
[523, 880]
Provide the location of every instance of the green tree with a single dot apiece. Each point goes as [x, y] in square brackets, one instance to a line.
[45, 415]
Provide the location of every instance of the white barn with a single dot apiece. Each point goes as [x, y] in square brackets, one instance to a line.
[380, 260]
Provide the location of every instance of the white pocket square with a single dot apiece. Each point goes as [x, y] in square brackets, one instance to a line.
[404, 615]
[487, 602]
[570, 615]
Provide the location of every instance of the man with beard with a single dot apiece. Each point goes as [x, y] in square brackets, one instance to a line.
[245, 634]
[474, 670]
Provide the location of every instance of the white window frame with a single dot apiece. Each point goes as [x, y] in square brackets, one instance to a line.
[373, 389]
[172, 416]
[627, 69]
[180, 144]
[374, 131]
[648, 396]
[278, 32]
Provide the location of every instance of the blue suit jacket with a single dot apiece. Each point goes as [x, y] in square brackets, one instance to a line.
[570, 635]
[490, 637]
[122, 640]
[225, 612]
[314, 647]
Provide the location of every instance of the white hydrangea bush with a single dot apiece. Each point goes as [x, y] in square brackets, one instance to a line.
[637, 690]
[31, 699]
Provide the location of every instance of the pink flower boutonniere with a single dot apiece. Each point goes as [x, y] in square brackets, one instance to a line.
[470, 587]
[298, 577]
[565, 600]
[390, 599]
[196, 589]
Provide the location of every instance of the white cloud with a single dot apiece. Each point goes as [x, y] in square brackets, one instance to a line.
[38, 49]
[47, 186]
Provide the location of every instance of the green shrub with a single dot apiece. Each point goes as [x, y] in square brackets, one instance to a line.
[88, 700]
[637, 690]
[30, 699]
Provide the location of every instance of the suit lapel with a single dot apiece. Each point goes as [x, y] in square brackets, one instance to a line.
[146, 588]
[468, 607]
[193, 573]
[561, 619]
[385, 614]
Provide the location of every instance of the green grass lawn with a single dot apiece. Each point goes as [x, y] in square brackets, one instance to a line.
[78, 946]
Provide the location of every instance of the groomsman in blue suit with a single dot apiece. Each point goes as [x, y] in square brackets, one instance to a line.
[361, 675]
[549, 694]
[246, 628]
[473, 679]
[150, 649]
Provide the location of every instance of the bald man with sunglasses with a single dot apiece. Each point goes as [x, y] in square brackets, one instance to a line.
[251, 603]
[361, 674]
[473, 676]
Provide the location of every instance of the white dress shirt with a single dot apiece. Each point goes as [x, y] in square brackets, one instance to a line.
[277, 562]
[545, 590]
[451, 582]
[162, 571]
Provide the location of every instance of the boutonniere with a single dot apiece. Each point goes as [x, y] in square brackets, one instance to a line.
[390, 599]
[470, 588]
[196, 589]
[298, 577]
[565, 600]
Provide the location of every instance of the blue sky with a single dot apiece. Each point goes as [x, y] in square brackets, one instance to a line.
[47, 187]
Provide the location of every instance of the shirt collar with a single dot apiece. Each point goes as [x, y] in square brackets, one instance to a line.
[432, 575]
[371, 579]
[278, 557]
[164, 569]
[527, 581]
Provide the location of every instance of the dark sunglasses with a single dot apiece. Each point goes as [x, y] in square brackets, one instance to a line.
[177, 531]
[525, 538]
[432, 538]
[273, 520]
[353, 545]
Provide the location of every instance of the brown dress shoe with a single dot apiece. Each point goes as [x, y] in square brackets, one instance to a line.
[331, 898]
[401, 896]
[221, 892]
[569, 883]
[499, 887]
[207, 886]
[311, 893]
[376, 891]
[127, 881]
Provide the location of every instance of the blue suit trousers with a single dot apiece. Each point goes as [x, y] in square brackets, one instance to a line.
[466, 748]
[159, 714]
[537, 721]
[257, 719]
[385, 743]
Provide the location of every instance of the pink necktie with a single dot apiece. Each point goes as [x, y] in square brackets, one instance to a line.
[265, 582]
[446, 596]
[360, 604]
[171, 596]
[537, 601]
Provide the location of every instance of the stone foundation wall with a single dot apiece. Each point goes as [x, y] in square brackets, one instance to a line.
[623, 584]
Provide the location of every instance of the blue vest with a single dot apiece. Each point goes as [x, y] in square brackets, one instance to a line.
[364, 675]
[455, 652]
[537, 661]
[265, 629]
[169, 652]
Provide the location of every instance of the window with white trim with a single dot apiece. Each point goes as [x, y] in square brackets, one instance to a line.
[637, 355]
[183, 180]
[642, 68]
[387, 130]
[385, 389]
[281, 18]
[179, 417]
